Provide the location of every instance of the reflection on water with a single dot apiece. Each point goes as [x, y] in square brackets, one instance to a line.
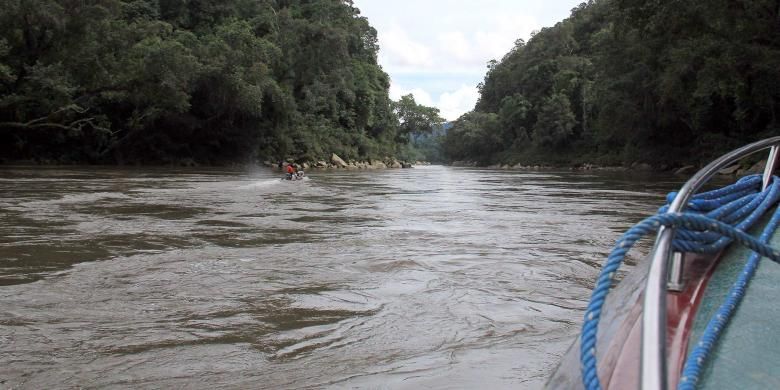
[430, 277]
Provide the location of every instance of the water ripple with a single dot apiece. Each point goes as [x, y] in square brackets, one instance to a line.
[431, 277]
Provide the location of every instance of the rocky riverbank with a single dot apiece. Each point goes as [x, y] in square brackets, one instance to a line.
[337, 162]
[734, 170]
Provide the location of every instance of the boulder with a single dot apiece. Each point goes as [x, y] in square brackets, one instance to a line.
[406, 165]
[395, 164]
[321, 164]
[378, 164]
[337, 161]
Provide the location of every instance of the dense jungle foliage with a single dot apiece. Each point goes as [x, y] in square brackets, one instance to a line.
[201, 81]
[623, 81]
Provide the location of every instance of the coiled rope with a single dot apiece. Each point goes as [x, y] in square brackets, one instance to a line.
[714, 220]
[696, 359]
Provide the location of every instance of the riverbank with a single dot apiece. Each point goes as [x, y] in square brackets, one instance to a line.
[734, 170]
[337, 162]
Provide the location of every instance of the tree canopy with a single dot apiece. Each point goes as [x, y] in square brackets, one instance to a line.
[159, 81]
[623, 81]
[418, 136]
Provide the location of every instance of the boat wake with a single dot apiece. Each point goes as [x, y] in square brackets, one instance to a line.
[268, 183]
[261, 184]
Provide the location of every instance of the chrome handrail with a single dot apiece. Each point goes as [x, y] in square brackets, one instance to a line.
[653, 355]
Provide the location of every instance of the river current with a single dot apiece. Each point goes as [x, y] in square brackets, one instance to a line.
[433, 277]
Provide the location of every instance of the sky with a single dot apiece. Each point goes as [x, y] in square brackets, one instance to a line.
[438, 50]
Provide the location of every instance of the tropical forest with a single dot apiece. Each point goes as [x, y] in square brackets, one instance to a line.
[665, 83]
[171, 81]
[204, 82]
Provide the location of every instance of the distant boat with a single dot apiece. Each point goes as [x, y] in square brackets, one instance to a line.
[699, 311]
[297, 176]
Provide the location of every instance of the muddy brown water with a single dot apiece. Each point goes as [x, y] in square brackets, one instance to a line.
[432, 277]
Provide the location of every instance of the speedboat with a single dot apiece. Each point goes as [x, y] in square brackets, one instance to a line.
[700, 310]
[299, 175]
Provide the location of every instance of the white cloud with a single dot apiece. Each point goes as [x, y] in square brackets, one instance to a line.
[451, 104]
[456, 44]
[496, 42]
[454, 104]
[420, 95]
[459, 47]
[397, 48]
[439, 51]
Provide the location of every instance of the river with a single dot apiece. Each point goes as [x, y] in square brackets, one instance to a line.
[432, 277]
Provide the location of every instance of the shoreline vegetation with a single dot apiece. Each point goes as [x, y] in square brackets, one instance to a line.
[740, 169]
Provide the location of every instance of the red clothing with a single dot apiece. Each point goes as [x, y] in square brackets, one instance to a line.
[290, 169]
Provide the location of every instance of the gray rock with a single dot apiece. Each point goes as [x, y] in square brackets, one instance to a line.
[337, 161]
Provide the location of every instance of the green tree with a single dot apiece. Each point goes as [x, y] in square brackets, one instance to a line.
[474, 136]
[415, 117]
[555, 123]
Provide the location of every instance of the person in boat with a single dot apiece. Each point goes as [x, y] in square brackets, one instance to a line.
[290, 172]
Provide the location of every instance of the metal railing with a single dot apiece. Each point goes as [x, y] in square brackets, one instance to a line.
[653, 355]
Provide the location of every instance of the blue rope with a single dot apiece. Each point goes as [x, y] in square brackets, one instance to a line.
[696, 359]
[719, 227]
